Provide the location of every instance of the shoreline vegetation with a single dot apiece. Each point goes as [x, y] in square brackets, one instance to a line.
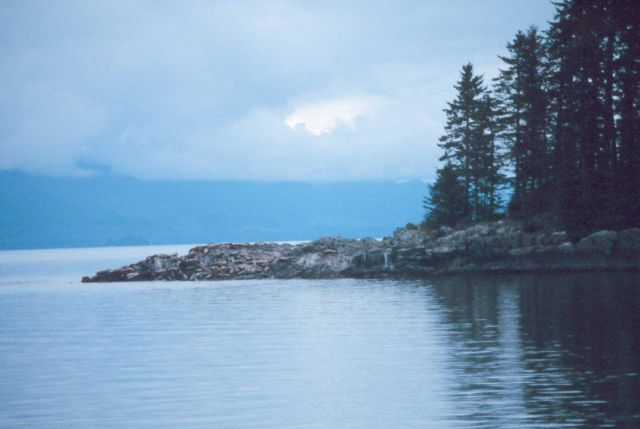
[555, 137]
[495, 247]
[541, 172]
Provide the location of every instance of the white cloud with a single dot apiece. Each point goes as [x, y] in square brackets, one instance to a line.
[325, 116]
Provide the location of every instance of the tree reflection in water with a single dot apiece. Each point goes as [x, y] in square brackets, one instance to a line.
[544, 349]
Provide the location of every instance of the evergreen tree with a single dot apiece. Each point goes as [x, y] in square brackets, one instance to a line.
[625, 17]
[566, 108]
[491, 159]
[595, 57]
[469, 144]
[521, 107]
[446, 203]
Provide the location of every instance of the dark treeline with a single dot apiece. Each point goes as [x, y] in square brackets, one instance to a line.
[558, 131]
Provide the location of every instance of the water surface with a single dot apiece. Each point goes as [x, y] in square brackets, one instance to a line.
[485, 352]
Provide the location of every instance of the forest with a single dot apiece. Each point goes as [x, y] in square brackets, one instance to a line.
[554, 139]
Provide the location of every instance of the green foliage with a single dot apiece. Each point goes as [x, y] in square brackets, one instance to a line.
[472, 155]
[521, 102]
[564, 116]
[594, 83]
[447, 202]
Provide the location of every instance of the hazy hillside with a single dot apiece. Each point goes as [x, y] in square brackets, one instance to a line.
[66, 212]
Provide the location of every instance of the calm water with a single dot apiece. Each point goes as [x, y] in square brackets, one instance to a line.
[501, 352]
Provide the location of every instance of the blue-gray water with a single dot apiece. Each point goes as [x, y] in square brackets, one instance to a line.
[544, 351]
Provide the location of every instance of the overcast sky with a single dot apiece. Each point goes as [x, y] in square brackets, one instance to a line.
[250, 90]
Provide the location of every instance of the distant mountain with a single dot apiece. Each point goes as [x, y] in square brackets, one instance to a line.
[44, 212]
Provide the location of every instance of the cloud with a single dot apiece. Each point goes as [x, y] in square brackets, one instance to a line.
[212, 90]
[53, 126]
[324, 116]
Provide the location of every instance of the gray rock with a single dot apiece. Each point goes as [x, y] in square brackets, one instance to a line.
[408, 237]
[601, 241]
[559, 237]
[566, 247]
[445, 230]
[497, 247]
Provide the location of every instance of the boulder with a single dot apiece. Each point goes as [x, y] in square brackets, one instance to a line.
[602, 242]
[408, 237]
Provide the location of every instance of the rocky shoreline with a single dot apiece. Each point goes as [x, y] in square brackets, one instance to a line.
[498, 247]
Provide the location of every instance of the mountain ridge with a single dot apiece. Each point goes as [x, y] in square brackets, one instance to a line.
[45, 212]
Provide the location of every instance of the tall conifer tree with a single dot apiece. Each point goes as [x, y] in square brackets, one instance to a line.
[567, 108]
[469, 144]
[626, 19]
[595, 56]
[521, 100]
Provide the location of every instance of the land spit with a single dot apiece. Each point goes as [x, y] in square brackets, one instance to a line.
[499, 247]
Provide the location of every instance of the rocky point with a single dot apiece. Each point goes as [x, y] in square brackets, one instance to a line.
[487, 248]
